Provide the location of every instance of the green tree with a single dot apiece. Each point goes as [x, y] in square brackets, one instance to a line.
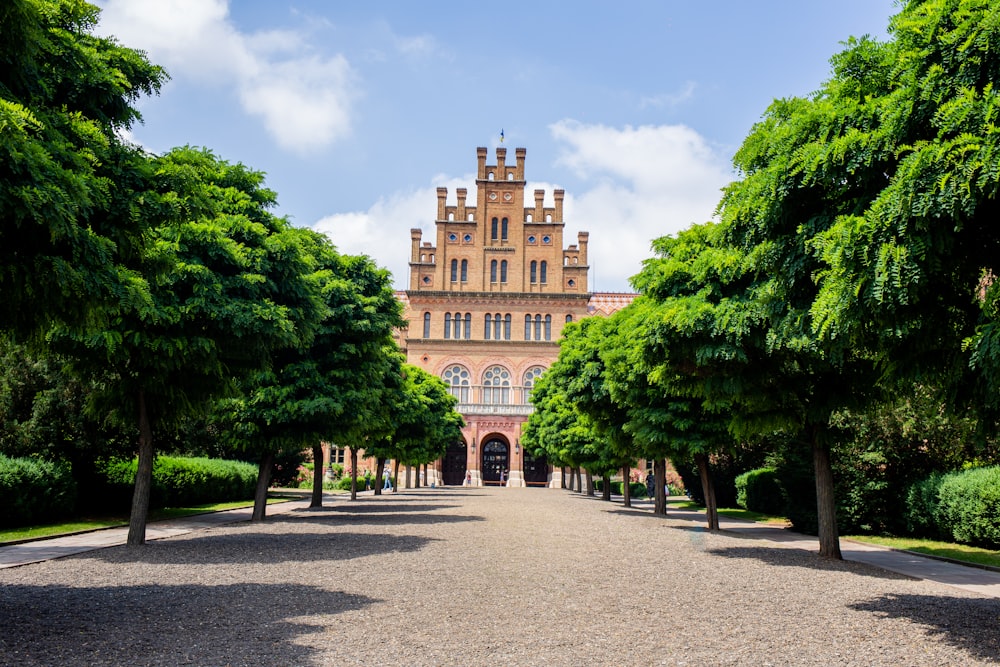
[910, 269]
[67, 179]
[227, 286]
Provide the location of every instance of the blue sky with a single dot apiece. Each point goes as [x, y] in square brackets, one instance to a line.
[358, 110]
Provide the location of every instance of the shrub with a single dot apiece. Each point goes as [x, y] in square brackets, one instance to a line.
[636, 489]
[922, 508]
[34, 491]
[969, 506]
[760, 490]
[179, 481]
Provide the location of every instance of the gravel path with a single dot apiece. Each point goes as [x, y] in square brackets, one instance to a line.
[475, 577]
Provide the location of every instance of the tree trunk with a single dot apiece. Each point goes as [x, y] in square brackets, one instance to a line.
[562, 477]
[263, 481]
[708, 488]
[380, 475]
[409, 476]
[579, 480]
[395, 476]
[143, 478]
[317, 494]
[606, 487]
[590, 484]
[660, 493]
[354, 474]
[626, 490]
[826, 506]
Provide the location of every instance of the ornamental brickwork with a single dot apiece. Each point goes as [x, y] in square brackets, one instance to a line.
[487, 302]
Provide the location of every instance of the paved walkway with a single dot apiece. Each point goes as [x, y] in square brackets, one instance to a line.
[977, 580]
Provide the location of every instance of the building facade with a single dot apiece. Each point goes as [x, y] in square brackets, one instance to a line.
[487, 301]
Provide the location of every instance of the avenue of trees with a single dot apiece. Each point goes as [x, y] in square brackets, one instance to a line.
[841, 318]
[154, 303]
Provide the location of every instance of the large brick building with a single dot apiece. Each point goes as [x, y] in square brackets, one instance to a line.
[486, 305]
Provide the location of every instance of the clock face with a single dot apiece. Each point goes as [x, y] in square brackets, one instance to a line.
[493, 196]
[507, 196]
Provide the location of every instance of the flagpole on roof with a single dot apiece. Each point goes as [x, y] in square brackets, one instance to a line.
[501, 135]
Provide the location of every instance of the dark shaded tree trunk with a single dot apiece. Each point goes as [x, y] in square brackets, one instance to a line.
[606, 487]
[409, 476]
[263, 482]
[143, 479]
[590, 484]
[626, 487]
[318, 463]
[826, 506]
[380, 477]
[354, 474]
[660, 493]
[562, 477]
[395, 476]
[579, 480]
[708, 488]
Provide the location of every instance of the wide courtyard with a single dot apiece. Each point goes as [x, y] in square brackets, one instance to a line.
[476, 576]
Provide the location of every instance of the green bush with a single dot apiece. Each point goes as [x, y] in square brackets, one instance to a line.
[344, 483]
[180, 481]
[959, 506]
[760, 490]
[34, 491]
[636, 489]
[969, 506]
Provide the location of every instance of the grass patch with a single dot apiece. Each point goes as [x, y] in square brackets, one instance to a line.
[83, 525]
[960, 552]
[735, 513]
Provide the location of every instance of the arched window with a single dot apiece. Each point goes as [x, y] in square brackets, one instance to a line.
[503, 271]
[427, 325]
[493, 229]
[503, 229]
[489, 176]
[465, 270]
[527, 327]
[548, 327]
[543, 270]
[493, 271]
[454, 270]
[451, 216]
[458, 326]
[510, 176]
[486, 326]
[538, 327]
[496, 326]
[468, 326]
[528, 219]
[530, 376]
[506, 327]
[447, 325]
[534, 271]
[496, 385]
[569, 318]
[458, 380]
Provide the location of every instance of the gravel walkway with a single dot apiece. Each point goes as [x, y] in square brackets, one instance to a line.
[475, 577]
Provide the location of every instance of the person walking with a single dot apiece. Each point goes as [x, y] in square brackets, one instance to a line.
[386, 480]
[650, 485]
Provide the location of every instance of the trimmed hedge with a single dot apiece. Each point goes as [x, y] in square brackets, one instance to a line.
[34, 491]
[760, 490]
[180, 481]
[960, 506]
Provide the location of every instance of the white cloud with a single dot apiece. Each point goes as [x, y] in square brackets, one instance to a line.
[303, 99]
[667, 100]
[647, 182]
[383, 231]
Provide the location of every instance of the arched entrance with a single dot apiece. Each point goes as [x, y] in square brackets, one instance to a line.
[496, 460]
[453, 465]
[536, 470]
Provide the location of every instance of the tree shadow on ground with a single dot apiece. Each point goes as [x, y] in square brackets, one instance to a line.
[242, 547]
[376, 518]
[794, 557]
[969, 624]
[233, 624]
[369, 507]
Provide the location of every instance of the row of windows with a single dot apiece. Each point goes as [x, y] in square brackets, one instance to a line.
[495, 384]
[461, 270]
[495, 326]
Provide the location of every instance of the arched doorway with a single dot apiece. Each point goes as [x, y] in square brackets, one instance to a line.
[496, 460]
[536, 470]
[453, 465]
